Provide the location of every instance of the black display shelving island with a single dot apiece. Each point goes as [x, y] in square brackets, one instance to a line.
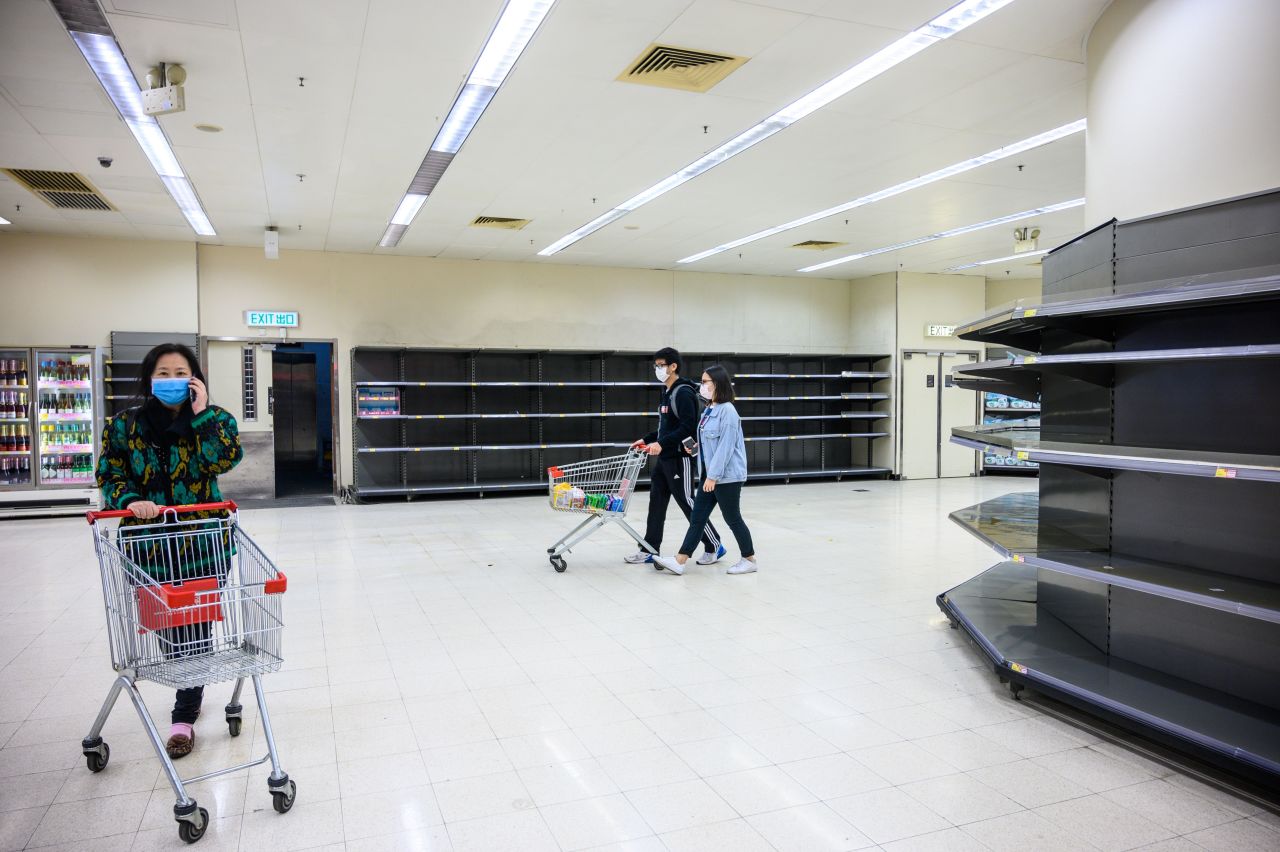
[1141, 582]
[451, 421]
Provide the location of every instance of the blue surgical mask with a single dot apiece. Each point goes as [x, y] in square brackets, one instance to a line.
[171, 391]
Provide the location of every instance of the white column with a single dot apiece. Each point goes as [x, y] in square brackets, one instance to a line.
[1184, 104]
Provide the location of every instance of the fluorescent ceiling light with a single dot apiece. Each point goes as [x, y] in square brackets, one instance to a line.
[944, 26]
[4, 221]
[1019, 256]
[954, 232]
[941, 174]
[516, 25]
[408, 209]
[102, 52]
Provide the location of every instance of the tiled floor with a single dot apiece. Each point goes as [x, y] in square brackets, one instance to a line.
[445, 689]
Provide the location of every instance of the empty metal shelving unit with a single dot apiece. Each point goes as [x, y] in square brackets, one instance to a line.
[440, 421]
[1142, 582]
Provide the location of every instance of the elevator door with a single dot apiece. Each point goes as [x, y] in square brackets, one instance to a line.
[931, 406]
[299, 463]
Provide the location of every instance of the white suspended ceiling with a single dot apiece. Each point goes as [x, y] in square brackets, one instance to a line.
[563, 141]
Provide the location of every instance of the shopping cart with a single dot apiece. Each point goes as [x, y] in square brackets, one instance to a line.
[600, 489]
[189, 603]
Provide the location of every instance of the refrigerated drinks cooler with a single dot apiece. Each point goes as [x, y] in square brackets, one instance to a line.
[50, 403]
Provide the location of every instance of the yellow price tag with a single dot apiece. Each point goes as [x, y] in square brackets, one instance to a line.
[1029, 313]
[1225, 473]
[1023, 455]
[1018, 667]
[1030, 359]
[1017, 557]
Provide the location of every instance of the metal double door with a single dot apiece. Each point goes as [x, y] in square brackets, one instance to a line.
[931, 404]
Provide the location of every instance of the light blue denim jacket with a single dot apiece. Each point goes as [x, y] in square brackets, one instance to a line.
[722, 454]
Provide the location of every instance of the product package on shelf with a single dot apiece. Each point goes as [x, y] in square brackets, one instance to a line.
[64, 397]
[377, 402]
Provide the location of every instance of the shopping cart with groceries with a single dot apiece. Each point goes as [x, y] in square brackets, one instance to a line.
[601, 489]
[191, 600]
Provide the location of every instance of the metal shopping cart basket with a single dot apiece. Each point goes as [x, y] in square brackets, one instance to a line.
[189, 602]
[600, 489]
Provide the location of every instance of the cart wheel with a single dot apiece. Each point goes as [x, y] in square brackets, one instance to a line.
[233, 725]
[190, 832]
[558, 563]
[282, 800]
[98, 762]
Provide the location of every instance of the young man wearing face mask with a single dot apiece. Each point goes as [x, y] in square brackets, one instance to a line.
[673, 469]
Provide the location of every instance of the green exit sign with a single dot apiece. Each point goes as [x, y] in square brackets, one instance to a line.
[271, 319]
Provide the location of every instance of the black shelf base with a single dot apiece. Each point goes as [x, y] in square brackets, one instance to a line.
[1031, 648]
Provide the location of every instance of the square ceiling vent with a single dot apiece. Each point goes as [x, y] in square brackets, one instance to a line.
[499, 222]
[61, 190]
[680, 68]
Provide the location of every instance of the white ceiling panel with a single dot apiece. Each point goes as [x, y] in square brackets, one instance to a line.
[564, 140]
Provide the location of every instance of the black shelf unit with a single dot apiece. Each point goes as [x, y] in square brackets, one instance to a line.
[1142, 582]
[481, 420]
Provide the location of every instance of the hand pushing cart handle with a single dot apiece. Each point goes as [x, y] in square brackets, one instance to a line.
[229, 505]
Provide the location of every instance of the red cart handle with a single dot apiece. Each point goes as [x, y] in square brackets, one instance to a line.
[230, 505]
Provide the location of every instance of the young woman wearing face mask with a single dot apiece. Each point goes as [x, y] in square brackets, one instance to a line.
[722, 460]
[168, 450]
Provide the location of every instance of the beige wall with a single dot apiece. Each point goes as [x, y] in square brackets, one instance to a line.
[362, 300]
[1183, 106]
[359, 299]
[1006, 291]
[69, 290]
[925, 299]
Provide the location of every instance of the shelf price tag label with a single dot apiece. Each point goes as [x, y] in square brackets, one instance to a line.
[1018, 557]
[1225, 473]
[1030, 359]
[1029, 313]
[1023, 455]
[1018, 667]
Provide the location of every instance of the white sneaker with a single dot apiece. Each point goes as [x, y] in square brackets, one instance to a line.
[638, 558]
[670, 563]
[706, 557]
[742, 566]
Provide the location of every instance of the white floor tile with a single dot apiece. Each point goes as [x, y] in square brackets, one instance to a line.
[673, 807]
[1104, 823]
[1024, 830]
[636, 770]
[552, 784]
[809, 828]
[1243, 835]
[755, 791]
[516, 832]
[595, 822]
[1175, 808]
[960, 799]
[483, 795]
[432, 671]
[731, 836]
[888, 815]
[720, 755]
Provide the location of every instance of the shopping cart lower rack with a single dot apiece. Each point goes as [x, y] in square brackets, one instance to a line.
[189, 603]
[600, 489]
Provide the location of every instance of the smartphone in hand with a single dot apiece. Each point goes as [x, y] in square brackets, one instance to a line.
[690, 446]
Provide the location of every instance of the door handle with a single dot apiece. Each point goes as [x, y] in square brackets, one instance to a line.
[271, 401]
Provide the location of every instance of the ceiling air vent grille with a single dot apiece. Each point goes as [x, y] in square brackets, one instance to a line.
[680, 68]
[817, 245]
[62, 190]
[499, 222]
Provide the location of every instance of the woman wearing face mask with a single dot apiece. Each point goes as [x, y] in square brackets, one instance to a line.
[722, 460]
[168, 450]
